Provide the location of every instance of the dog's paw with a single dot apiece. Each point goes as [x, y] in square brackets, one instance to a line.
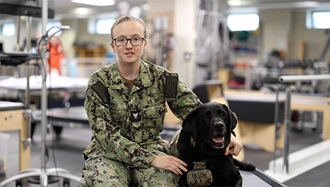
[244, 165]
[248, 167]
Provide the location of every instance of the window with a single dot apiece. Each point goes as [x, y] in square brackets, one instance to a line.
[8, 29]
[51, 24]
[318, 20]
[103, 26]
[243, 22]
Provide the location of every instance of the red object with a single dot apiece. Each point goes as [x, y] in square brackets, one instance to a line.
[56, 54]
[235, 84]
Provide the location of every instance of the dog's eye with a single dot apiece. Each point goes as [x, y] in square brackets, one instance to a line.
[223, 115]
[204, 115]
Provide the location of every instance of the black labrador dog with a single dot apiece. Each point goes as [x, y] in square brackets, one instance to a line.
[202, 142]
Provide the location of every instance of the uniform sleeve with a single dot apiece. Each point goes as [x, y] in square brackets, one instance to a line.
[185, 101]
[112, 144]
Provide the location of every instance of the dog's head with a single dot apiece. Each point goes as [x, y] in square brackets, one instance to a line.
[210, 126]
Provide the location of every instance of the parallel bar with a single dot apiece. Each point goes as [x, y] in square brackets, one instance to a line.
[287, 121]
[294, 78]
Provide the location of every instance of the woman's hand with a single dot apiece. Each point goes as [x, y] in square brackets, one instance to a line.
[234, 147]
[170, 163]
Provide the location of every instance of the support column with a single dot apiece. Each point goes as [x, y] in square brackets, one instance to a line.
[185, 40]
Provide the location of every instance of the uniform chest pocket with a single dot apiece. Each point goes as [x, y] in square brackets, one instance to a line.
[118, 114]
[153, 116]
[153, 112]
[151, 124]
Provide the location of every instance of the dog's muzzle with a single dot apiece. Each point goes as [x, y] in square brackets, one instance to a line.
[218, 134]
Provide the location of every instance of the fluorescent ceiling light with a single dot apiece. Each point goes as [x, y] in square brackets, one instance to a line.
[82, 11]
[236, 3]
[243, 22]
[95, 2]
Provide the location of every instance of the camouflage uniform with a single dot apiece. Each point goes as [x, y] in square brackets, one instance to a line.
[126, 127]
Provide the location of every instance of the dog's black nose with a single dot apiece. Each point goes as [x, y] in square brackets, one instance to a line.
[219, 126]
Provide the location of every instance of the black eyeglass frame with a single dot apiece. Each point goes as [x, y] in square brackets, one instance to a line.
[129, 39]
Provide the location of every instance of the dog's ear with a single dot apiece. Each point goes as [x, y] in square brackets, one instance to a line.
[232, 118]
[189, 124]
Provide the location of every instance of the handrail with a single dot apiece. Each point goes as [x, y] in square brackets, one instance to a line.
[294, 78]
[286, 79]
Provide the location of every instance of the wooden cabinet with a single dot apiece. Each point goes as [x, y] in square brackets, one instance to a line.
[90, 51]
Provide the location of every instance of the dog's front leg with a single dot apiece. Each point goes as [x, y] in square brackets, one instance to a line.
[239, 182]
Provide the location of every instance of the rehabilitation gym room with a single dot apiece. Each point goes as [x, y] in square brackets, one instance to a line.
[120, 92]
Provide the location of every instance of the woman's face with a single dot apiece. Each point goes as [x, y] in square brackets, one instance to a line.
[128, 53]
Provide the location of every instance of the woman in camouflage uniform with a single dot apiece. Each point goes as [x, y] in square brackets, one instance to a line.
[125, 104]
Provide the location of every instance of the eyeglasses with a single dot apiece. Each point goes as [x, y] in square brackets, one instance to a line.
[122, 41]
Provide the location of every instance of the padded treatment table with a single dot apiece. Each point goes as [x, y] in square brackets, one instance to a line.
[59, 88]
[256, 109]
[53, 82]
[257, 117]
[77, 115]
[302, 102]
[12, 119]
[71, 115]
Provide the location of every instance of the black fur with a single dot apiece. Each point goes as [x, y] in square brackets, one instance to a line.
[196, 143]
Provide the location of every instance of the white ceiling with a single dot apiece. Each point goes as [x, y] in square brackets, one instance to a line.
[64, 8]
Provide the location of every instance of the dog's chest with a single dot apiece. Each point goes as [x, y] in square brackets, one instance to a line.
[220, 172]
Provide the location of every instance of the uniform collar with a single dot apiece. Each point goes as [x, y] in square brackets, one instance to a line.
[143, 79]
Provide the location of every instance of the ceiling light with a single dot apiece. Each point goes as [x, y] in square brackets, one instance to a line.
[82, 11]
[235, 3]
[146, 6]
[243, 22]
[95, 2]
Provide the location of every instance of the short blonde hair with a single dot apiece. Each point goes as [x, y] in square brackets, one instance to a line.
[129, 18]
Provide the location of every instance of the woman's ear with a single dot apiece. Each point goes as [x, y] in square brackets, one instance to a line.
[112, 47]
[144, 46]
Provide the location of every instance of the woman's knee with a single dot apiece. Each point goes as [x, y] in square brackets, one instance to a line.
[102, 171]
[155, 177]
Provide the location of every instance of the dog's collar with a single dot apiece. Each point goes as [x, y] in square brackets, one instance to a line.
[193, 142]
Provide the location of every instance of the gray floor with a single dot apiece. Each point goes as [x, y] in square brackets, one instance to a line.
[66, 153]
